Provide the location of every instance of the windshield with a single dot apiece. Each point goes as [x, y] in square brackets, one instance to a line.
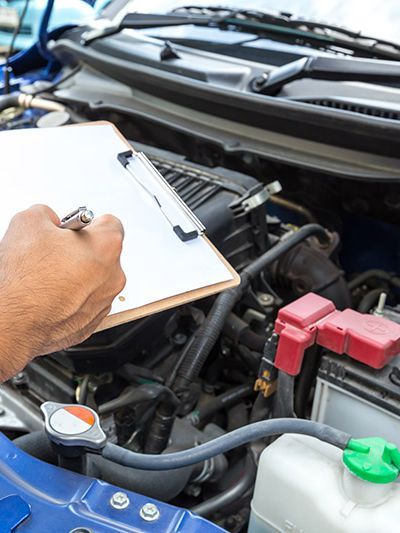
[376, 19]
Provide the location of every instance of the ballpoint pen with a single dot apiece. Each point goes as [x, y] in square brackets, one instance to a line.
[77, 219]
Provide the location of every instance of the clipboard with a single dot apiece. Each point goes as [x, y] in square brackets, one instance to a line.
[89, 161]
[173, 301]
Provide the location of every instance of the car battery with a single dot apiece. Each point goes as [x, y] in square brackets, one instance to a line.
[358, 399]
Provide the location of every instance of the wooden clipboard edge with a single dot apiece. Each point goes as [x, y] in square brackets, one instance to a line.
[173, 301]
[123, 317]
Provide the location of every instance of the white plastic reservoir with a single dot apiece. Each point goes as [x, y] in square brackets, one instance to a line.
[303, 487]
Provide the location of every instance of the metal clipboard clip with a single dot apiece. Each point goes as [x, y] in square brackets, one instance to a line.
[193, 227]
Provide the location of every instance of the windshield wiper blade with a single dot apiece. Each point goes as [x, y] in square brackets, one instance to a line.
[311, 31]
[330, 69]
[258, 22]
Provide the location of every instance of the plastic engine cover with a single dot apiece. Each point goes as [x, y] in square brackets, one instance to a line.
[36, 497]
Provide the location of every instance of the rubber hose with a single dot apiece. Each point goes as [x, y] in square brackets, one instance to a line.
[375, 273]
[160, 485]
[164, 485]
[230, 495]
[134, 395]
[225, 443]
[208, 333]
[223, 401]
[9, 100]
[369, 300]
[38, 445]
[308, 269]
[240, 333]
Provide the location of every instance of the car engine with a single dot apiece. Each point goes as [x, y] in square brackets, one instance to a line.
[174, 380]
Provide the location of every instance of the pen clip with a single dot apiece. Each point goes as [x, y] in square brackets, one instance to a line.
[72, 214]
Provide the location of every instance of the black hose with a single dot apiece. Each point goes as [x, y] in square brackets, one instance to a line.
[38, 445]
[230, 495]
[132, 372]
[362, 278]
[308, 269]
[208, 333]
[8, 100]
[160, 485]
[239, 332]
[163, 486]
[132, 396]
[223, 401]
[369, 300]
[225, 443]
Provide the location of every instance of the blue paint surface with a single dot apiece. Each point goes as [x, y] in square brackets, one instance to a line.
[60, 501]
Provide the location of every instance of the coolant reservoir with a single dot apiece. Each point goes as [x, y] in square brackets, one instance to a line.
[303, 486]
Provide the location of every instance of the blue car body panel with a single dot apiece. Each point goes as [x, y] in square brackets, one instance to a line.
[36, 497]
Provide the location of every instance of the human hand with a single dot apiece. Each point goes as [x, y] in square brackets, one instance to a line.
[56, 285]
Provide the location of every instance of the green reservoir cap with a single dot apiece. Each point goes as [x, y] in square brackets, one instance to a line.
[372, 459]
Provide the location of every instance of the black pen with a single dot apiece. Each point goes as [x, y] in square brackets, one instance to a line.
[78, 219]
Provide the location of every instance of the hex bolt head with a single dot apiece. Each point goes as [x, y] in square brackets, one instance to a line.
[150, 512]
[119, 500]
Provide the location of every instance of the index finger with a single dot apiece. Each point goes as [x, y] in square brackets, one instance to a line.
[109, 222]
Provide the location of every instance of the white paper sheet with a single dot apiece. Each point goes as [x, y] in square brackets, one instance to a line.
[68, 167]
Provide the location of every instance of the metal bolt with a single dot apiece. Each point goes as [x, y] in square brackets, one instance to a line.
[81, 530]
[150, 512]
[266, 299]
[19, 379]
[180, 339]
[380, 308]
[119, 500]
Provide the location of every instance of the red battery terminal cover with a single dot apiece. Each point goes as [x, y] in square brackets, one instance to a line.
[313, 319]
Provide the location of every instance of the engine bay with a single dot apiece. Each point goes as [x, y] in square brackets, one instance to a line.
[184, 377]
[134, 375]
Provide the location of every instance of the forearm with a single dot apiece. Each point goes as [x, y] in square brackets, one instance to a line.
[14, 349]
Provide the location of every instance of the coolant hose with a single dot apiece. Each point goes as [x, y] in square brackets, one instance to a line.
[223, 401]
[225, 443]
[29, 101]
[132, 396]
[38, 445]
[163, 486]
[208, 333]
[232, 494]
[160, 485]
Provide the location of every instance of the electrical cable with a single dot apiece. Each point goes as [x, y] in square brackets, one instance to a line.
[61, 80]
[208, 333]
[225, 443]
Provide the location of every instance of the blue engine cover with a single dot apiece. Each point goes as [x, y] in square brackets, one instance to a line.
[36, 497]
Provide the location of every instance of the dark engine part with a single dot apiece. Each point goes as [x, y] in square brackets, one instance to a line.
[219, 198]
[308, 269]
